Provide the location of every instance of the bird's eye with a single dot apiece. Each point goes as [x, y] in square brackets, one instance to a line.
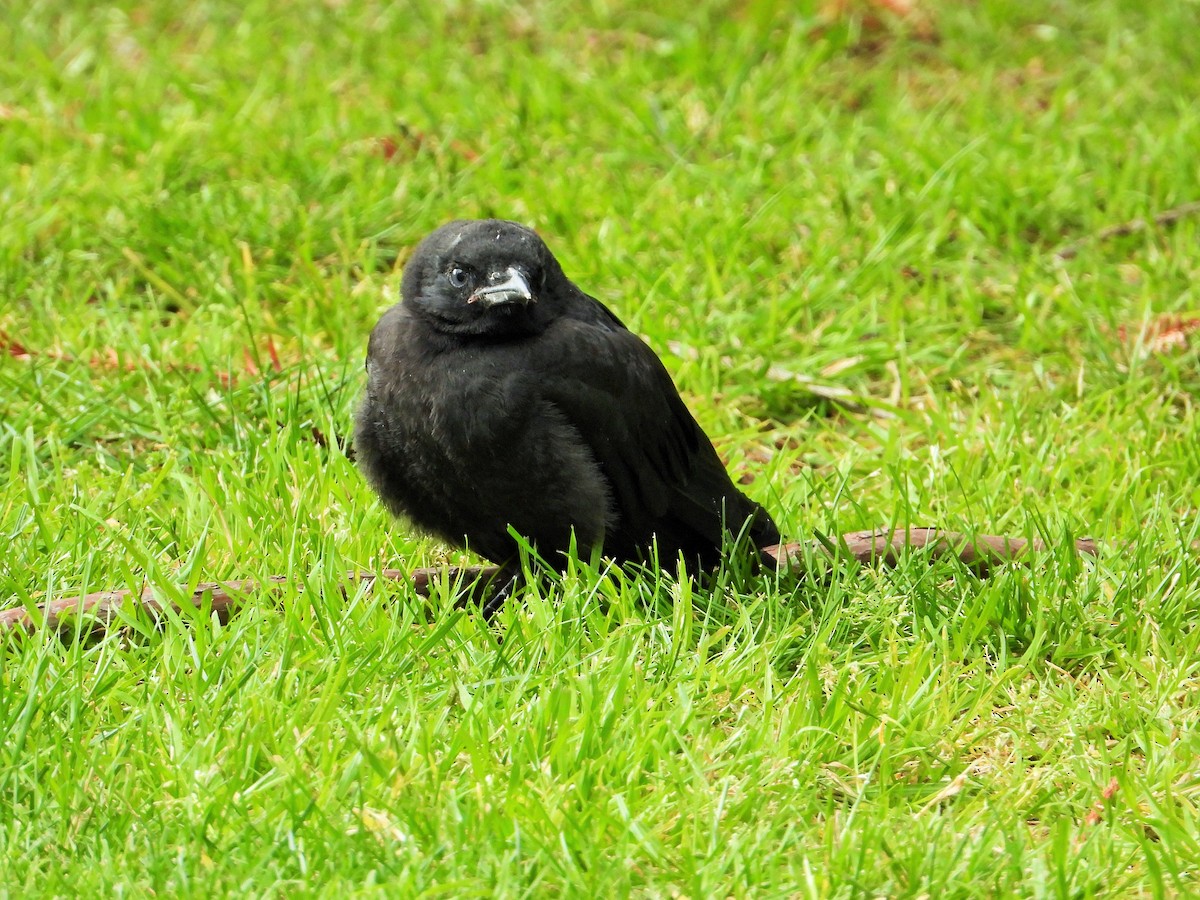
[458, 277]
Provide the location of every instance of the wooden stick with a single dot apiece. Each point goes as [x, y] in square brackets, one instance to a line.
[1162, 219]
[979, 553]
[102, 609]
[95, 613]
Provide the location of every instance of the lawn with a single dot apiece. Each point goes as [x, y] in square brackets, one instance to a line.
[879, 253]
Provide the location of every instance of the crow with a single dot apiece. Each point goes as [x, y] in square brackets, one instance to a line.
[502, 399]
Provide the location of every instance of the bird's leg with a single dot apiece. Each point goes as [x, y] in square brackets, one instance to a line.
[501, 586]
[512, 577]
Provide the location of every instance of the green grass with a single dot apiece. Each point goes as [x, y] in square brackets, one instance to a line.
[190, 191]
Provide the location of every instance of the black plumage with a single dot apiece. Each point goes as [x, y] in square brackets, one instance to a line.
[499, 394]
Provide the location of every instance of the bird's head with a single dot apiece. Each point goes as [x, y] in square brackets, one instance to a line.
[486, 277]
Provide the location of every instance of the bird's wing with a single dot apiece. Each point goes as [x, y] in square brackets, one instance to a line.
[664, 473]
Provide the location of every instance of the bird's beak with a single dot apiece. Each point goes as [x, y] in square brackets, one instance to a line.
[509, 286]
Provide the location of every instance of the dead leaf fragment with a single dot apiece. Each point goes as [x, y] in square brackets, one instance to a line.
[1163, 335]
[1096, 814]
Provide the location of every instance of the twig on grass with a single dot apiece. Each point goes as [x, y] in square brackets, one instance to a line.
[94, 614]
[979, 552]
[1162, 219]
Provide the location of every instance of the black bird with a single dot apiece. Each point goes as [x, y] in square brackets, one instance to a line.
[499, 394]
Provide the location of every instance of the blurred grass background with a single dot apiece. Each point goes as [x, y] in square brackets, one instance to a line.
[838, 223]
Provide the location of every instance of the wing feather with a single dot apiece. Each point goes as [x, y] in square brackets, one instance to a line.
[667, 480]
